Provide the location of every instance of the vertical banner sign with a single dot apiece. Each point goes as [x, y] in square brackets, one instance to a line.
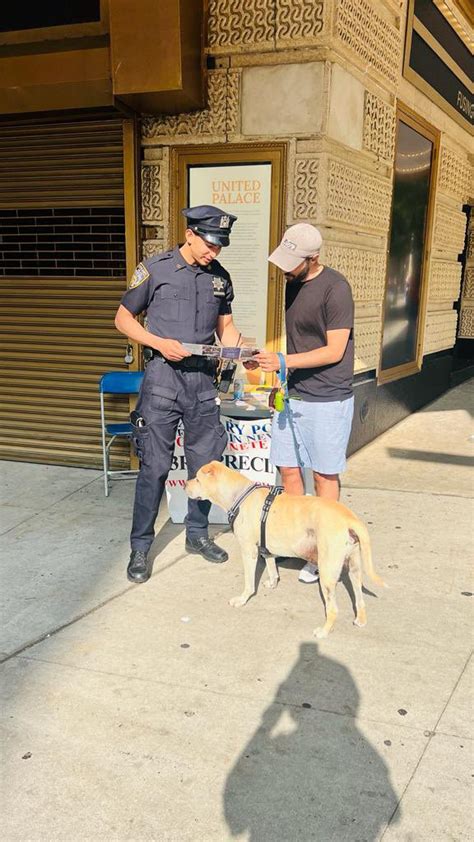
[244, 190]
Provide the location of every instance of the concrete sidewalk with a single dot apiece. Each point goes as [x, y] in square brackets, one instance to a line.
[158, 712]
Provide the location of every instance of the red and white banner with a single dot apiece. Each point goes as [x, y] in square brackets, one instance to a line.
[247, 451]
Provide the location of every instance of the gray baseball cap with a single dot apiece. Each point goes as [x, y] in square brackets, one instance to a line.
[299, 241]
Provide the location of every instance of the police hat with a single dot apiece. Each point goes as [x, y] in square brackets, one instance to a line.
[212, 224]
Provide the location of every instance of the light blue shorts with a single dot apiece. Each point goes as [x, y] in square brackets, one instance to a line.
[312, 435]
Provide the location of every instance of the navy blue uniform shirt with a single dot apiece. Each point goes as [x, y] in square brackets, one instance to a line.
[181, 301]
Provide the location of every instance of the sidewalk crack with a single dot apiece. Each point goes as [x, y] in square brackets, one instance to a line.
[51, 505]
[428, 741]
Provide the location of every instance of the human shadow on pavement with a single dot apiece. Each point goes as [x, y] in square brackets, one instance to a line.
[308, 773]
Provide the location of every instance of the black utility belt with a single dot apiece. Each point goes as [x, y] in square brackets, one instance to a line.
[192, 363]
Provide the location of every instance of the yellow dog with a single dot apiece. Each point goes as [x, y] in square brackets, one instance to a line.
[316, 530]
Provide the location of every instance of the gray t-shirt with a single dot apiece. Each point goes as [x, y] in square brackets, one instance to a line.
[312, 308]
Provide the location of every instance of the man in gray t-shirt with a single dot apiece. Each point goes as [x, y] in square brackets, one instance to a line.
[315, 307]
[312, 431]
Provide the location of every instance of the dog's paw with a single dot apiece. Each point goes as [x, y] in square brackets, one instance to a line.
[320, 633]
[360, 623]
[271, 583]
[238, 601]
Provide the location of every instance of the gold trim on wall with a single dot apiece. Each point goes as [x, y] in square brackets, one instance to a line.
[131, 152]
[460, 15]
[131, 182]
[406, 115]
[273, 153]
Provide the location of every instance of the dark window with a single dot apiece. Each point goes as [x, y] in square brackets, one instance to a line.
[67, 242]
[15, 16]
[411, 189]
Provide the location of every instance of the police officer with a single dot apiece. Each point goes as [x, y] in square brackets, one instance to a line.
[187, 296]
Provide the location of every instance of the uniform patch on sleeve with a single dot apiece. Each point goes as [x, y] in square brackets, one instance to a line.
[140, 275]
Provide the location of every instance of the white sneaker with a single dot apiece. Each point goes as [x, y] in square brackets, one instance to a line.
[309, 574]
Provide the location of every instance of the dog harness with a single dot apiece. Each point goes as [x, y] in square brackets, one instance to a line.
[234, 510]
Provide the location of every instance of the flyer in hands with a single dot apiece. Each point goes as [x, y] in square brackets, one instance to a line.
[218, 352]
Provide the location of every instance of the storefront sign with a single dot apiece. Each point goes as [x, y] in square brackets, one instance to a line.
[247, 451]
[438, 61]
[244, 190]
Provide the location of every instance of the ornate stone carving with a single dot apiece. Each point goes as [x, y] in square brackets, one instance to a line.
[445, 280]
[371, 37]
[468, 287]
[367, 344]
[306, 188]
[379, 127]
[470, 243]
[236, 25]
[152, 186]
[152, 247]
[466, 318]
[455, 175]
[357, 197]
[299, 22]
[365, 270]
[210, 121]
[440, 331]
[449, 230]
[466, 323]
[233, 102]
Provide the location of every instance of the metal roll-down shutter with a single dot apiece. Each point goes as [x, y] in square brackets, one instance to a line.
[62, 272]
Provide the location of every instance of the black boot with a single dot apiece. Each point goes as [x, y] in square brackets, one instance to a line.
[139, 567]
[207, 548]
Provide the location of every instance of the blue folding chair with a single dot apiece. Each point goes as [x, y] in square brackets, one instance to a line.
[116, 383]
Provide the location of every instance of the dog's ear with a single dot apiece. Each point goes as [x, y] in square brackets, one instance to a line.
[209, 469]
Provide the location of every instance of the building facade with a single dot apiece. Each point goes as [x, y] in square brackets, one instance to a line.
[359, 113]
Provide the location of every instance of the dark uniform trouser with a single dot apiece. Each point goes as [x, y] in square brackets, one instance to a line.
[168, 395]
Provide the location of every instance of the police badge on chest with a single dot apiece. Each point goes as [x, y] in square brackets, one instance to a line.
[218, 287]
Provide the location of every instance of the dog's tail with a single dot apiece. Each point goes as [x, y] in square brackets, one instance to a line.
[361, 533]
